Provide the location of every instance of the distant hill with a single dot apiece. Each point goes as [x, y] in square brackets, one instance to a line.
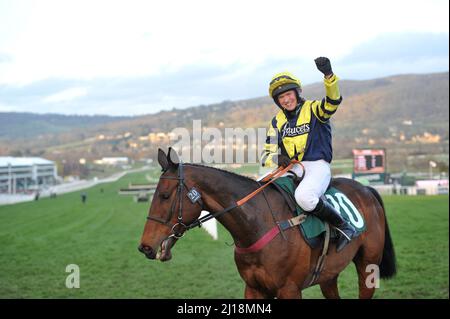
[379, 104]
[21, 125]
[375, 104]
[406, 114]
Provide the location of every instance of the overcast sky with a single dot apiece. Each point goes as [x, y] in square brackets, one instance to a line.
[139, 57]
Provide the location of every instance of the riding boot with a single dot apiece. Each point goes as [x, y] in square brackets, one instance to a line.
[328, 213]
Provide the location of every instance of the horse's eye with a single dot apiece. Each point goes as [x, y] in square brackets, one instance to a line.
[165, 195]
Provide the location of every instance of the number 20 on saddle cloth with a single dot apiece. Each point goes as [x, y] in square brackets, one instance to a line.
[312, 227]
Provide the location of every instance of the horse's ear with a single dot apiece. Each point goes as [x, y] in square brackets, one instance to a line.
[162, 159]
[172, 157]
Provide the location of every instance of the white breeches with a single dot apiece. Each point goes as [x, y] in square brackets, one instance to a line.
[314, 184]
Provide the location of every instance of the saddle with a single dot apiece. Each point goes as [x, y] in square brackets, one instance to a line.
[286, 186]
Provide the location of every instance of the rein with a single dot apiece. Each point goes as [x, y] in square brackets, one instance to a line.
[273, 176]
[195, 197]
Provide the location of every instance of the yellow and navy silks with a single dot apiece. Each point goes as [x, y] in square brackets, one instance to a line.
[307, 128]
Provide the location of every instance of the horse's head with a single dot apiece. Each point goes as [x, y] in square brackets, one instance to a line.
[174, 206]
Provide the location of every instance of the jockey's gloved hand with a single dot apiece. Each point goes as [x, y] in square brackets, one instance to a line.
[282, 160]
[323, 65]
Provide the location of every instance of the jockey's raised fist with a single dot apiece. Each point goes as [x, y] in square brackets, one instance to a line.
[323, 65]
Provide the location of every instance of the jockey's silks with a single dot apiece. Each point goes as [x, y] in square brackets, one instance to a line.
[306, 129]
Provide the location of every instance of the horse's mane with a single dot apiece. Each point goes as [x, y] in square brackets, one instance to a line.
[230, 174]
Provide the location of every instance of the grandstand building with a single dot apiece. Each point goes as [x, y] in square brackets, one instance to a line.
[23, 174]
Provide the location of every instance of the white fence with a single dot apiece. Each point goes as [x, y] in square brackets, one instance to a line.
[411, 190]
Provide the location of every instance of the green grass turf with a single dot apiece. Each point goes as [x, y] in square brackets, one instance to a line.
[39, 239]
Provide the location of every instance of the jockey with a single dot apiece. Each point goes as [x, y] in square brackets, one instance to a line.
[301, 130]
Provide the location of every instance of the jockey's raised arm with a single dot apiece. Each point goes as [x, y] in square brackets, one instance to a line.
[301, 130]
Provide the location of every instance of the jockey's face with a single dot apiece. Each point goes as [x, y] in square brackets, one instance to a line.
[288, 100]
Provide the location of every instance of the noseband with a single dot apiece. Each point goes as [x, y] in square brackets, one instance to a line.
[195, 197]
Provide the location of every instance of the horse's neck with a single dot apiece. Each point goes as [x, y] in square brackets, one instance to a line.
[246, 223]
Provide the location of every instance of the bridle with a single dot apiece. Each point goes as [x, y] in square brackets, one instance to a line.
[195, 197]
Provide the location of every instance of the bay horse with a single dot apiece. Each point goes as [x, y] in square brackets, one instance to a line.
[285, 266]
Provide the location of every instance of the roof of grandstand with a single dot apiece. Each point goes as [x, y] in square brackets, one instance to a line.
[23, 161]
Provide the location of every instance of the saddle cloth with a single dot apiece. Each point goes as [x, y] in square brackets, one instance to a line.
[313, 227]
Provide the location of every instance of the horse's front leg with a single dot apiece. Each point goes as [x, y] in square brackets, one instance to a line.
[252, 293]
